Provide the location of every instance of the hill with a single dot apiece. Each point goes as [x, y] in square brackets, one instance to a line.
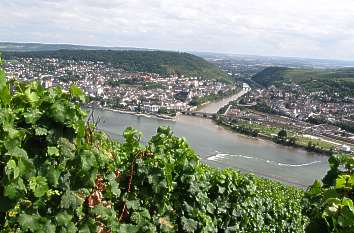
[160, 62]
[334, 80]
[30, 47]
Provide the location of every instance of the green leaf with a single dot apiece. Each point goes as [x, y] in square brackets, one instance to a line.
[189, 225]
[133, 204]
[21, 185]
[114, 185]
[11, 191]
[5, 96]
[12, 132]
[347, 202]
[29, 222]
[38, 185]
[104, 213]
[315, 188]
[210, 208]
[32, 116]
[49, 227]
[70, 200]
[77, 93]
[11, 168]
[344, 181]
[128, 228]
[63, 218]
[26, 167]
[18, 152]
[41, 131]
[58, 112]
[53, 151]
[31, 96]
[3, 82]
[221, 189]
[88, 160]
[53, 176]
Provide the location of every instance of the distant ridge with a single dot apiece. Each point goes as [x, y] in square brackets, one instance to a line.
[273, 75]
[269, 60]
[160, 62]
[29, 47]
[331, 80]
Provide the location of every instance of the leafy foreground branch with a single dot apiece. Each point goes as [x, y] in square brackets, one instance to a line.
[330, 206]
[58, 174]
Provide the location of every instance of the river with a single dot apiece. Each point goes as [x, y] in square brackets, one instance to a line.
[221, 148]
[215, 106]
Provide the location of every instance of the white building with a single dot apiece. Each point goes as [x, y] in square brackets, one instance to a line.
[246, 87]
[345, 148]
[151, 108]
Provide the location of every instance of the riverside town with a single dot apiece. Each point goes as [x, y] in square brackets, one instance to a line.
[163, 116]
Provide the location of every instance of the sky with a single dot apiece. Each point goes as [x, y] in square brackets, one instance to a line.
[295, 28]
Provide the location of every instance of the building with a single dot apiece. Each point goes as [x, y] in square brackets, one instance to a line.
[246, 87]
[345, 148]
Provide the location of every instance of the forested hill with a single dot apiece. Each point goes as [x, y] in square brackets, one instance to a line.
[27, 47]
[161, 62]
[335, 79]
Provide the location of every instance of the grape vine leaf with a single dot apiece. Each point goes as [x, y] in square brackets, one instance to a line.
[38, 185]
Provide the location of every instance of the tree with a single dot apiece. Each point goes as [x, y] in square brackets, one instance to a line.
[282, 134]
[163, 110]
[292, 141]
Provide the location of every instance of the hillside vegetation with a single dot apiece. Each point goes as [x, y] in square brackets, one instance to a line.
[160, 62]
[331, 80]
[59, 174]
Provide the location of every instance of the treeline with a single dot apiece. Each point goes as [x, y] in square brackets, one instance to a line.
[160, 62]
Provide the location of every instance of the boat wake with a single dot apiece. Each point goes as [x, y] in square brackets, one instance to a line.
[221, 156]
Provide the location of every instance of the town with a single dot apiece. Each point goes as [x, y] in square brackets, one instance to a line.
[111, 87]
[314, 120]
[317, 120]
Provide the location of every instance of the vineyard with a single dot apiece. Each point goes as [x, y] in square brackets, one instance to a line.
[60, 174]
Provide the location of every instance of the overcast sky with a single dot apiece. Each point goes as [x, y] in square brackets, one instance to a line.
[302, 28]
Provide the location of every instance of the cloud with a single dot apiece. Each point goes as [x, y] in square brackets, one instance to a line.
[311, 28]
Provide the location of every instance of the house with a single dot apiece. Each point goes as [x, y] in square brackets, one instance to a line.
[246, 87]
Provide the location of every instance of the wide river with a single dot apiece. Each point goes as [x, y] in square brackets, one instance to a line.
[221, 148]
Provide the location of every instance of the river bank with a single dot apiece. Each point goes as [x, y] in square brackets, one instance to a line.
[147, 115]
[312, 145]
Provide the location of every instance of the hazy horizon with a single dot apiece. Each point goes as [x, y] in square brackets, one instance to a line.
[318, 29]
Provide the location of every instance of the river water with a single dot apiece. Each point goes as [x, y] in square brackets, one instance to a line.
[221, 148]
[215, 106]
